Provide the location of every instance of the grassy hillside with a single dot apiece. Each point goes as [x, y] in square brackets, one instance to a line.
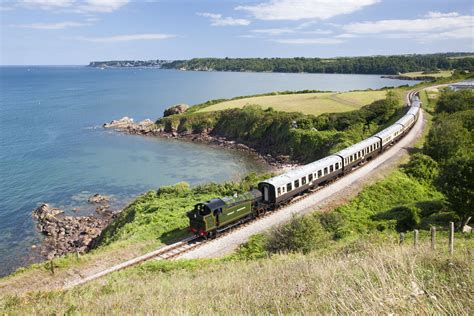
[369, 276]
[431, 74]
[307, 103]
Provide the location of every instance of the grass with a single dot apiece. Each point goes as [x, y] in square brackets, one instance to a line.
[440, 74]
[363, 277]
[307, 103]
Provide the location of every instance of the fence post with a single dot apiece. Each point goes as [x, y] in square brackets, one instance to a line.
[402, 238]
[415, 238]
[451, 238]
[51, 262]
[433, 237]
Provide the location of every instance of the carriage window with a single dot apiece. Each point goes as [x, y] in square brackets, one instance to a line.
[331, 168]
[337, 165]
[320, 173]
[283, 189]
[297, 183]
[303, 181]
[288, 187]
[279, 192]
[326, 171]
[310, 177]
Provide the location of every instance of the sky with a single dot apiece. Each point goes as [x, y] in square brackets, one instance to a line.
[75, 32]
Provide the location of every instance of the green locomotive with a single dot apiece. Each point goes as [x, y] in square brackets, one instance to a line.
[210, 217]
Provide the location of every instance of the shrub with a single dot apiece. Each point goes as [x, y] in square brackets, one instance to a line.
[178, 188]
[421, 167]
[254, 248]
[333, 222]
[407, 217]
[301, 234]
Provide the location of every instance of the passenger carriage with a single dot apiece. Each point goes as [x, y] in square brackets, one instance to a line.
[282, 188]
[359, 153]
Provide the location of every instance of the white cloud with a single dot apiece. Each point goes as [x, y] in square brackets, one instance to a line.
[80, 6]
[440, 15]
[124, 38]
[50, 26]
[219, 20]
[308, 41]
[304, 9]
[5, 8]
[276, 31]
[433, 22]
[101, 6]
[47, 4]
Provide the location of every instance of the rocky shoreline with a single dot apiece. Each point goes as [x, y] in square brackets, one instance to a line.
[148, 128]
[71, 234]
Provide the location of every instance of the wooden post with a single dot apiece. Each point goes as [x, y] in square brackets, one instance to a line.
[433, 238]
[402, 238]
[51, 263]
[77, 255]
[451, 238]
[415, 238]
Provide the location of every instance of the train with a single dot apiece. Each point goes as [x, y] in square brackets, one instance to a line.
[209, 218]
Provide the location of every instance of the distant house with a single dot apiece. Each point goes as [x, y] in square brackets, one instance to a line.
[468, 84]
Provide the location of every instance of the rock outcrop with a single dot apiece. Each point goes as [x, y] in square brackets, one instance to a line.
[68, 234]
[176, 109]
[119, 124]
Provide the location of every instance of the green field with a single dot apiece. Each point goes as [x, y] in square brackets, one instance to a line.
[441, 74]
[307, 103]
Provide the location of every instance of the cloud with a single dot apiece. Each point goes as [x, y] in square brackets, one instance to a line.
[219, 20]
[304, 9]
[79, 6]
[50, 26]
[275, 31]
[432, 22]
[101, 6]
[308, 41]
[5, 8]
[123, 38]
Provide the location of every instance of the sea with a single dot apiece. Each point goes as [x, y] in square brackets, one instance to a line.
[53, 148]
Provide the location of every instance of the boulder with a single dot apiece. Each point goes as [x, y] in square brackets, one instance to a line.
[124, 122]
[176, 109]
[97, 198]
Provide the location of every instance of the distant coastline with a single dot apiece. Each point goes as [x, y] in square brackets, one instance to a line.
[393, 67]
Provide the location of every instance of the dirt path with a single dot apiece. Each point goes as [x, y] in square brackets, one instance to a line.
[328, 197]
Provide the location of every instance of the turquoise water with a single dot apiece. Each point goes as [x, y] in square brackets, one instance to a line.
[53, 150]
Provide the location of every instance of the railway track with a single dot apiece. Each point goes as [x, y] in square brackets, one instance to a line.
[175, 250]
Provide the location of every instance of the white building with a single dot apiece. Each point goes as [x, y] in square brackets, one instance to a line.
[468, 84]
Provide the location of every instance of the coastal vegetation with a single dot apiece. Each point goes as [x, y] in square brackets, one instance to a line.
[391, 65]
[301, 137]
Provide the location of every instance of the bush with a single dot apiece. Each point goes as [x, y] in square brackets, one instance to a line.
[333, 222]
[421, 167]
[254, 248]
[407, 217]
[178, 188]
[302, 234]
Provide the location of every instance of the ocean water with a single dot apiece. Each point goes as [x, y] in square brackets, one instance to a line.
[53, 149]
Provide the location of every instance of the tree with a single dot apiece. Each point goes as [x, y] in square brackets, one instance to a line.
[456, 181]
[448, 138]
[453, 101]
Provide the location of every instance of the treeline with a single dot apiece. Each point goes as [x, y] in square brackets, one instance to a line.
[304, 138]
[347, 65]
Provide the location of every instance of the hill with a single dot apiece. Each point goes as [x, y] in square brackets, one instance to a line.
[307, 103]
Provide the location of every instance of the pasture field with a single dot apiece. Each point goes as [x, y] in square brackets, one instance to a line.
[307, 103]
[441, 74]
